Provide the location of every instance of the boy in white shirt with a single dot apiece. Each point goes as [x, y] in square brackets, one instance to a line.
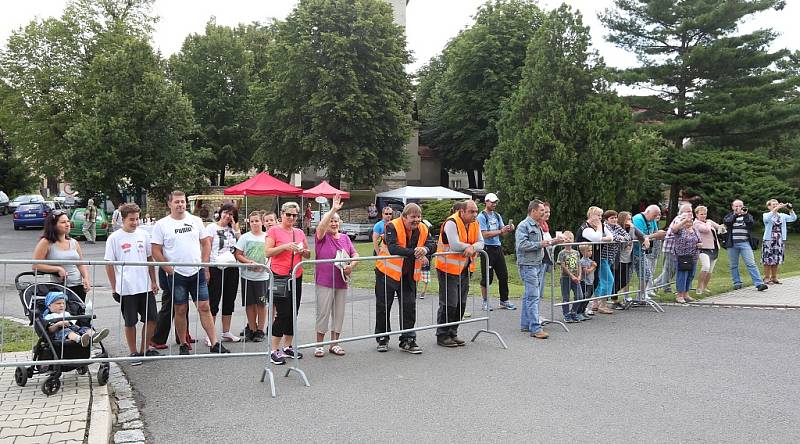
[134, 286]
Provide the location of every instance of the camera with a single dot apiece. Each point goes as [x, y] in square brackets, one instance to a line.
[789, 206]
[744, 209]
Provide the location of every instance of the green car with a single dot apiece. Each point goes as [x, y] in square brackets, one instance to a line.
[78, 218]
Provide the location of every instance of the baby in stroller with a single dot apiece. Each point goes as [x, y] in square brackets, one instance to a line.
[61, 329]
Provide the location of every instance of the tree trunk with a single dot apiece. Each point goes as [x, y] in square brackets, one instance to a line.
[479, 172]
[222, 177]
[471, 178]
[444, 178]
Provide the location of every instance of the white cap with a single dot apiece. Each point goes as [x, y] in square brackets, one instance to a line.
[491, 197]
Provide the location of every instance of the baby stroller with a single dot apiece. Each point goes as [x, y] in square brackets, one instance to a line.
[32, 293]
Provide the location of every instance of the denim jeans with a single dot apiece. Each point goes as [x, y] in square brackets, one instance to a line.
[532, 276]
[743, 249]
[606, 285]
[684, 278]
[670, 267]
[567, 284]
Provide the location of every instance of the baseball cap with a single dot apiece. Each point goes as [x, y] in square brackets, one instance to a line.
[491, 197]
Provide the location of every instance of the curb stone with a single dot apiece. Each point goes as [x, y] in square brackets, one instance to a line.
[99, 430]
[128, 426]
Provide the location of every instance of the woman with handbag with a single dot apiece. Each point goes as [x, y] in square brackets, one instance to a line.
[286, 246]
[687, 249]
[332, 279]
[772, 251]
[709, 248]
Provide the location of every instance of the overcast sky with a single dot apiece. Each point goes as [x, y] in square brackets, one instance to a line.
[430, 23]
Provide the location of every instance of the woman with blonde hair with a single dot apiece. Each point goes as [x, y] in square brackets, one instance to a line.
[709, 249]
[772, 250]
[593, 230]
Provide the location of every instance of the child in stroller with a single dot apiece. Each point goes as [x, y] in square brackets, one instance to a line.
[61, 327]
[60, 340]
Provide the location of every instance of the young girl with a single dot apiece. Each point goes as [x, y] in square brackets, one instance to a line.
[569, 260]
[587, 282]
[250, 250]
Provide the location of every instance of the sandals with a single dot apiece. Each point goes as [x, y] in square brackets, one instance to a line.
[319, 352]
[337, 350]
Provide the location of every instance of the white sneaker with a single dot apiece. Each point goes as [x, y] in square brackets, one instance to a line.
[230, 337]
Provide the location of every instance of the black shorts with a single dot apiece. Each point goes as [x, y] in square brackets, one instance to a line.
[254, 292]
[142, 304]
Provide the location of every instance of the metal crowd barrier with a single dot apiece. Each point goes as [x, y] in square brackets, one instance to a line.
[91, 302]
[647, 281]
[295, 367]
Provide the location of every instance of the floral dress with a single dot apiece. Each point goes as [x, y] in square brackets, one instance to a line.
[772, 250]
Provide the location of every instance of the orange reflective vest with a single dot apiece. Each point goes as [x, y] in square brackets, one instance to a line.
[394, 267]
[455, 263]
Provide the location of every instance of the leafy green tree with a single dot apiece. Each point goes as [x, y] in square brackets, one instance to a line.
[477, 71]
[136, 136]
[214, 71]
[563, 136]
[724, 88]
[338, 96]
[15, 176]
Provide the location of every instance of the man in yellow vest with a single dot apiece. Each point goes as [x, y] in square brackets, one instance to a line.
[407, 237]
[460, 235]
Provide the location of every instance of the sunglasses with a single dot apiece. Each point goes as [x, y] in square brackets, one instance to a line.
[388, 214]
[290, 214]
[57, 213]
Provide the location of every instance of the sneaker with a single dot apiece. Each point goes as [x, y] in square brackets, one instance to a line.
[100, 335]
[219, 348]
[737, 286]
[422, 296]
[136, 362]
[290, 352]
[688, 298]
[446, 341]
[277, 357]
[589, 312]
[258, 336]
[618, 306]
[626, 304]
[581, 317]
[486, 306]
[507, 305]
[460, 342]
[383, 348]
[158, 346]
[184, 349]
[762, 287]
[86, 338]
[568, 319]
[541, 334]
[246, 332]
[152, 352]
[230, 337]
[467, 314]
[411, 347]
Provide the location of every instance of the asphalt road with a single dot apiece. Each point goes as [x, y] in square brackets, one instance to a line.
[692, 374]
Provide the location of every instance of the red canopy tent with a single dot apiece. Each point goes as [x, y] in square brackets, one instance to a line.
[325, 190]
[262, 184]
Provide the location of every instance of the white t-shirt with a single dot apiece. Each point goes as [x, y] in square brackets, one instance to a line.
[222, 239]
[180, 240]
[129, 247]
[252, 245]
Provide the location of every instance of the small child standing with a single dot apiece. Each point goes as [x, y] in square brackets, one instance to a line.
[63, 330]
[569, 259]
[587, 281]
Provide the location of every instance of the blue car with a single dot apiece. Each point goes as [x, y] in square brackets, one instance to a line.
[30, 215]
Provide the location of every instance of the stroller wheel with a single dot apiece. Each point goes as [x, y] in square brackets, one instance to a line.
[21, 376]
[82, 370]
[51, 385]
[30, 372]
[102, 373]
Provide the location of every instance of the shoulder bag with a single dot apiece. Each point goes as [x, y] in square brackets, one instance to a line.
[282, 284]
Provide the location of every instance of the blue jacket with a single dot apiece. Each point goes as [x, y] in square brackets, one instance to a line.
[791, 217]
[529, 243]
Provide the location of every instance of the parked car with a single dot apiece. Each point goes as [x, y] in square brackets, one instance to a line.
[3, 203]
[30, 215]
[79, 217]
[24, 199]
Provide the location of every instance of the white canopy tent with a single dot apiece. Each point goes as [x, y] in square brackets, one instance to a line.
[423, 193]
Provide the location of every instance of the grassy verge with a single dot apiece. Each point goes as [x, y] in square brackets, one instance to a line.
[16, 337]
[364, 276]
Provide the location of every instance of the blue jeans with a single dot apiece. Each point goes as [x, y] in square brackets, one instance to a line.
[684, 278]
[743, 249]
[606, 285]
[194, 285]
[568, 284]
[532, 277]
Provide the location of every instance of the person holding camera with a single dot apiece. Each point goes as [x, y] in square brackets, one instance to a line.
[739, 241]
[772, 251]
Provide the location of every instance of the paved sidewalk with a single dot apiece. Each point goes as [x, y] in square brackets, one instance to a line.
[785, 295]
[29, 416]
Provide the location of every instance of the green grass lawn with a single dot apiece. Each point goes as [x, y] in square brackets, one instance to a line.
[364, 276]
[16, 337]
